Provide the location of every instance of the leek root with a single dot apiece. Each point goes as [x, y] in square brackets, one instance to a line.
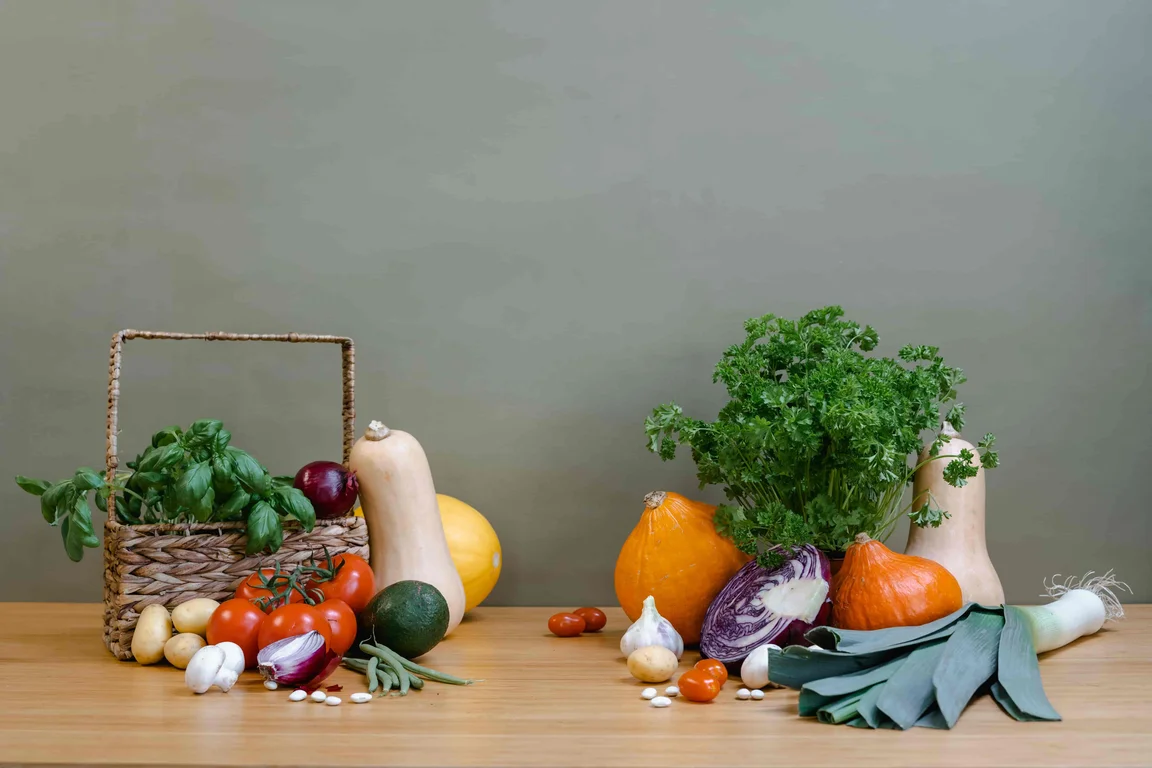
[1081, 608]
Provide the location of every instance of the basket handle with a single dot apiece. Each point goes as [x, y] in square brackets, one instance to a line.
[348, 364]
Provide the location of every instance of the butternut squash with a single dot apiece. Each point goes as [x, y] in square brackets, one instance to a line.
[959, 543]
[405, 534]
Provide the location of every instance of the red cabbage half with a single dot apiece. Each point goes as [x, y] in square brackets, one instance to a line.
[761, 606]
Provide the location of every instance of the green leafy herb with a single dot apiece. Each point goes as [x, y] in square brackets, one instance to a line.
[813, 445]
[181, 477]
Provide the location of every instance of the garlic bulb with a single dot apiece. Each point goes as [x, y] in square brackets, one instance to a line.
[651, 629]
[754, 670]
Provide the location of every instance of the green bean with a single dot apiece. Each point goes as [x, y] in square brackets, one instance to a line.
[432, 674]
[414, 681]
[385, 681]
[357, 665]
[383, 651]
[373, 681]
[391, 674]
[405, 678]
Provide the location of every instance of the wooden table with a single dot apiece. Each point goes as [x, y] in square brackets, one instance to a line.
[546, 701]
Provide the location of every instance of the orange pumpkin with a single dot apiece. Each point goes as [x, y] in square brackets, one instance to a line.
[675, 555]
[877, 588]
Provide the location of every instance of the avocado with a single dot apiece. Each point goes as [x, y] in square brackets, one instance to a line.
[409, 617]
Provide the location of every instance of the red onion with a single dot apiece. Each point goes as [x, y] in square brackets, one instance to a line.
[329, 486]
[295, 660]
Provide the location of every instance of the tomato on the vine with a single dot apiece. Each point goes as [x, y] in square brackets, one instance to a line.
[714, 668]
[342, 622]
[698, 685]
[354, 582]
[237, 621]
[252, 589]
[291, 620]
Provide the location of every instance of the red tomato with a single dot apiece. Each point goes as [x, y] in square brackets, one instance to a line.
[354, 583]
[698, 685]
[292, 620]
[714, 668]
[566, 625]
[251, 589]
[237, 621]
[594, 618]
[342, 623]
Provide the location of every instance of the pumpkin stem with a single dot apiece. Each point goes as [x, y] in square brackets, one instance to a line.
[376, 431]
[863, 538]
[654, 499]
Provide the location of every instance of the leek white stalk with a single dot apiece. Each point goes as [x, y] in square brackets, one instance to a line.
[1081, 608]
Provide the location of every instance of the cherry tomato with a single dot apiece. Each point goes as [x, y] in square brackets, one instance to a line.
[714, 668]
[342, 623]
[292, 620]
[237, 621]
[698, 685]
[594, 618]
[566, 625]
[251, 589]
[354, 582]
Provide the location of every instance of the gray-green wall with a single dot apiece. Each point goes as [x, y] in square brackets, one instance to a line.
[540, 219]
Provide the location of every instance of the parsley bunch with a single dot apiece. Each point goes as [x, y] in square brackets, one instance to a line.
[813, 446]
[191, 476]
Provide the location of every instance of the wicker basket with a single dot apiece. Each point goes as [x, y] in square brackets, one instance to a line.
[172, 563]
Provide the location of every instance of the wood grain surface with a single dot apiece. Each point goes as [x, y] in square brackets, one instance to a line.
[546, 701]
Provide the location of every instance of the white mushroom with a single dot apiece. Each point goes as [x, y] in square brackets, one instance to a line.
[218, 665]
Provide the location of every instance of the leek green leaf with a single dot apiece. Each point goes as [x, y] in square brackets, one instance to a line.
[969, 660]
[909, 693]
[796, 665]
[1018, 673]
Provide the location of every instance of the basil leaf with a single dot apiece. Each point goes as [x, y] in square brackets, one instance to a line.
[81, 520]
[201, 510]
[167, 457]
[72, 545]
[166, 436]
[34, 487]
[248, 471]
[146, 480]
[263, 528]
[86, 479]
[51, 500]
[283, 480]
[192, 484]
[147, 460]
[102, 499]
[202, 432]
[223, 478]
[295, 504]
[221, 440]
[233, 509]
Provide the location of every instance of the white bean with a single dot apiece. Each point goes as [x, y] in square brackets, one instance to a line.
[757, 695]
[743, 694]
[661, 701]
[671, 691]
[298, 695]
[361, 698]
[319, 696]
[648, 693]
[271, 685]
[332, 701]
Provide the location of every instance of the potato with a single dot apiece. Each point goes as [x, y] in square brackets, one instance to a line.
[153, 629]
[652, 664]
[193, 615]
[180, 649]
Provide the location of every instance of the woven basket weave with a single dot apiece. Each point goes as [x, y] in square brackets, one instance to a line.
[172, 563]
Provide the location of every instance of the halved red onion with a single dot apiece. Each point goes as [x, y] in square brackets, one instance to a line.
[295, 660]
